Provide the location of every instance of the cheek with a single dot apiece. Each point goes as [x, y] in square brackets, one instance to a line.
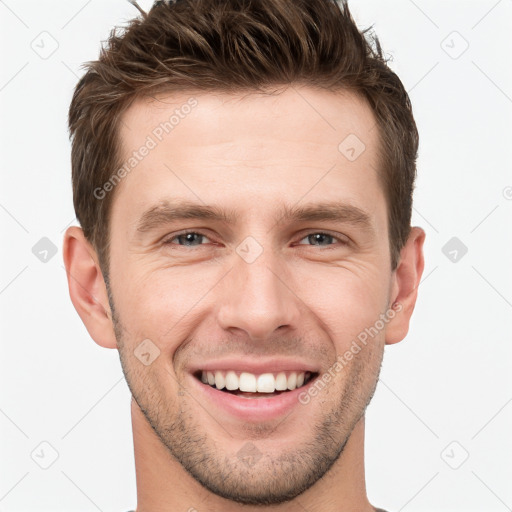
[161, 304]
[346, 300]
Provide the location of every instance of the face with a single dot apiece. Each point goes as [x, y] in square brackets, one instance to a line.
[287, 268]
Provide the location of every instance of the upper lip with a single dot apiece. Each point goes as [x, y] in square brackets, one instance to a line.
[255, 366]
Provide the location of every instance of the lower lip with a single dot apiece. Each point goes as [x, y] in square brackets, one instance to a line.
[252, 409]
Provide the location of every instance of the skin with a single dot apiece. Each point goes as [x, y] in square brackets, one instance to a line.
[303, 297]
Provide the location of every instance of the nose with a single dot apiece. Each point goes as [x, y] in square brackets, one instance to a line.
[258, 298]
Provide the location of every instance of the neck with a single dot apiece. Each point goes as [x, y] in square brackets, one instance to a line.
[164, 486]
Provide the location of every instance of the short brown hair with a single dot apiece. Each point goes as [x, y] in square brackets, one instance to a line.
[235, 46]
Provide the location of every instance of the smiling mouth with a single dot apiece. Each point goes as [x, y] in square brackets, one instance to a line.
[248, 385]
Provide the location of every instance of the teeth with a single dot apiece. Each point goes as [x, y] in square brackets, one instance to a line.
[281, 382]
[247, 382]
[220, 381]
[292, 381]
[264, 383]
[231, 381]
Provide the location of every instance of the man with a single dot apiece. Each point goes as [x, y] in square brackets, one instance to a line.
[243, 175]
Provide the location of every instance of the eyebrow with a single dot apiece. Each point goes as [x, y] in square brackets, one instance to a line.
[166, 212]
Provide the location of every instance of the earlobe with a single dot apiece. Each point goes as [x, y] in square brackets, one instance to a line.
[87, 287]
[406, 280]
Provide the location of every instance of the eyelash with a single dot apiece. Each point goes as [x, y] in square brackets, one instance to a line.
[341, 240]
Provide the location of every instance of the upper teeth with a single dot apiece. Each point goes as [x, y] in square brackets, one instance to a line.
[264, 383]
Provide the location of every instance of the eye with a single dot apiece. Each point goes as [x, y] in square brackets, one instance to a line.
[195, 238]
[319, 239]
[187, 239]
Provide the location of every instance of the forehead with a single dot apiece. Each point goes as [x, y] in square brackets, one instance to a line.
[295, 115]
[213, 147]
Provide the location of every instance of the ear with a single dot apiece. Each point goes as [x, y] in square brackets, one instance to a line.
[87, 287]
[406, 280]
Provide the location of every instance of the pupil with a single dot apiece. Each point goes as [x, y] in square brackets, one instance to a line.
[319, 236]
[189, 237]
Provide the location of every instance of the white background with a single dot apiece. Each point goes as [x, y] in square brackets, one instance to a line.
[445, 392]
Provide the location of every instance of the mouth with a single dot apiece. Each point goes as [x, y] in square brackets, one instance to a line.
[248, 397]
[250, 385]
